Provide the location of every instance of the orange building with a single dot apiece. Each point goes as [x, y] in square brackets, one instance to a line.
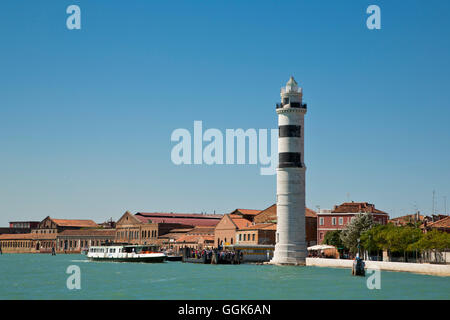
[225, 230]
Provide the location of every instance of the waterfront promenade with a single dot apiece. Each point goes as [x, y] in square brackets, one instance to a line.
[422, 268]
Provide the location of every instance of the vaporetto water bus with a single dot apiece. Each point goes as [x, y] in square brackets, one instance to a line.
[124, 253]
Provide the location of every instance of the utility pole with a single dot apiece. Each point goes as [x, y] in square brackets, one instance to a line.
[432, 208]
[445, 204]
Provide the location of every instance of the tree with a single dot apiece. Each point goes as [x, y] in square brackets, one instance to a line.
[333, 238]
[434, 240]
[350, 235]
[401, 239]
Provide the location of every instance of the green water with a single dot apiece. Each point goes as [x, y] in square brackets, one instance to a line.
[39, 276]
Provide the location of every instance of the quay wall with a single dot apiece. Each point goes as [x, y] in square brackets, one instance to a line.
[422, 268]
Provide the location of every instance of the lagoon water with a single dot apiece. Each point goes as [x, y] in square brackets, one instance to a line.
[42, 276]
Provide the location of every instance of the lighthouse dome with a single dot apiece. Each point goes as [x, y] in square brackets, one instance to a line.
[291, 85]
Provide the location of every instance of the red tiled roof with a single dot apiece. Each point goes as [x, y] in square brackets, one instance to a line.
[195, 238]
[310, 213]
[261, 226]
[249, 212]
[443, 223]
[356, 207]
[186, 221]
[171, 235]
[75, 223]
[202, 230]
[92, 232]
[28, 236]
[273, 211]
[239, 221]
[180, 215]
[191, 219]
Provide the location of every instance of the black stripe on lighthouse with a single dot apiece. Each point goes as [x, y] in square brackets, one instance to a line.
[289, 131]
[289, 160]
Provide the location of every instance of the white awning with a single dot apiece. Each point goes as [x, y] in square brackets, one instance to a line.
[321, 247]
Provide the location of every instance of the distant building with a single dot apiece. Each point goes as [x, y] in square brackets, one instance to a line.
[44, 238]
[255, 234]
[405, 220]
[110, 224]
[269, 215]
[24, 224]
[28, 242]
[340, 216]
[249, 214]
[440, 225]
[225, 230]
[51, 225]
[16, 227]
[188, 219]
[197, 238]
[150, 228]
[75, 241]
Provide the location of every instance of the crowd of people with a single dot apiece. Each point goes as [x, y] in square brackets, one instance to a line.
[219, 256]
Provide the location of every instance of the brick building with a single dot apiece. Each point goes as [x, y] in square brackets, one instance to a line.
[200, 238]
[154, 228]
[76, 241]
[340, 216]
[44, 238]
[257, 234]
[269, 215]
[225, 230]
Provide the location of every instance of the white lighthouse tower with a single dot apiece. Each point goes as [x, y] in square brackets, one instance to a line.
[290, 245]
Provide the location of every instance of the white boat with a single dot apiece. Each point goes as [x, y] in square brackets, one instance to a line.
[124, 253]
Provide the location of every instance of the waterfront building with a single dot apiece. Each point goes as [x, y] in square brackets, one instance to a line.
[198, 238]
[19, 227]
[261, 233]
[28, 242]
[152, 227]
[188, 219]
[168, 240]
[60, 235]
[269, 215]
[50, 225]
[248, 214]
[341, 215]
[76, 241]
[225, 230]
[290, 245]
[24, 224]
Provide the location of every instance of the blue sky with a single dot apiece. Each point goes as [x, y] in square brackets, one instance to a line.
[86, 115]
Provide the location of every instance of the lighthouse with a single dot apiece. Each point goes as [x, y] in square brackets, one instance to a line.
[290, 245]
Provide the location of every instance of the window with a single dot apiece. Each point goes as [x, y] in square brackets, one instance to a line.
[240, 237]
[321, 221]
[341, 221]
[253, 237]
[245, 235]
[333, 221]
